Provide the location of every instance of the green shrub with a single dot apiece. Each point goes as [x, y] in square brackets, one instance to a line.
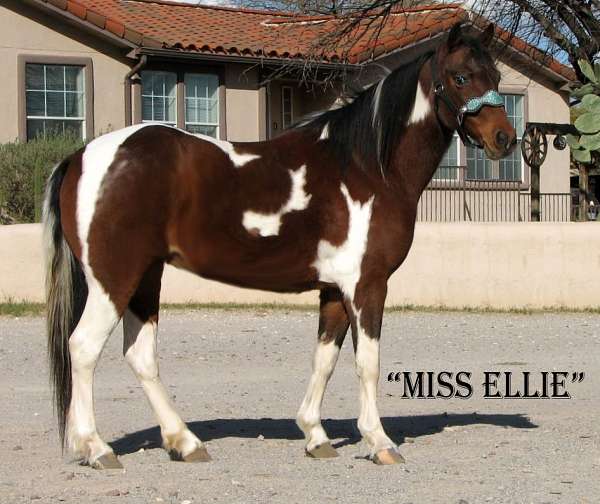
[24, 169]
[585, 147]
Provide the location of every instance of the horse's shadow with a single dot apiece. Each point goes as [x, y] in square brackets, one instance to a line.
[398, 428]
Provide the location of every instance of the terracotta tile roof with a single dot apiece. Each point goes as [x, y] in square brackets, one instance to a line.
[247, 32]
[267, 34]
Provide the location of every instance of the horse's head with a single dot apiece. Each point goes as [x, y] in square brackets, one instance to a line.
[465, 81]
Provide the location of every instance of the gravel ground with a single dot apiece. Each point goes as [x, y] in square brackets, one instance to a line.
[238, 377]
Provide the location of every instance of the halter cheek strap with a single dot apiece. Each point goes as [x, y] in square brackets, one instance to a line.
[473, 105]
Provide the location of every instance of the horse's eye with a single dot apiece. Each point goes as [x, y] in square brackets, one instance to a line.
[460, 79]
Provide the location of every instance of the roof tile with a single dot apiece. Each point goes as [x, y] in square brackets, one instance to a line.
[248, 32]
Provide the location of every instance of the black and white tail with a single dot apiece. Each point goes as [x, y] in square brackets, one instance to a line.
[66, 293]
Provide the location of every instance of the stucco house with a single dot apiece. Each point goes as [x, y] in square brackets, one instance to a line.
[92, 66]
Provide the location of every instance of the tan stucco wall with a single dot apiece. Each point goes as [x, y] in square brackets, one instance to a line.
[26, 31]
[513, 265]
[242, 105]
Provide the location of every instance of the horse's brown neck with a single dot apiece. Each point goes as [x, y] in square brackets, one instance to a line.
[421, 148]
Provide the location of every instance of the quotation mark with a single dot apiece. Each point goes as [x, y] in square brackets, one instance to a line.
[577, 377]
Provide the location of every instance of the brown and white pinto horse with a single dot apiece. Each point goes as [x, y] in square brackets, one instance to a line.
[328, 205]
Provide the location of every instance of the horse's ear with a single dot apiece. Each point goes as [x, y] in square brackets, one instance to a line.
[455, 36]
[488, 35]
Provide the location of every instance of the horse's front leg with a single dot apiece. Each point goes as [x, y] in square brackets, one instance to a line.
[333, 325]
[366, 313]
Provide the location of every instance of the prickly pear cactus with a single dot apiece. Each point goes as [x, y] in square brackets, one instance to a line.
[586, 146]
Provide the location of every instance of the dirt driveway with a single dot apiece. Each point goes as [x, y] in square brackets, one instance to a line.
[238, 377]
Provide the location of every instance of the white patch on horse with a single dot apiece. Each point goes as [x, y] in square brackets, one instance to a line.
[238, 159]
[367, 369]
[98, 320]
[341, 265]
[97, 158]
[309, 415]
[143, 358]
[269, 224]
[324, 132]
[421, 107]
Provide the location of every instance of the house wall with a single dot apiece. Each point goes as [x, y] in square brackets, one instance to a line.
[242, 105]
[305, 100]
[456, 265]
[544, 104]
[27, 31]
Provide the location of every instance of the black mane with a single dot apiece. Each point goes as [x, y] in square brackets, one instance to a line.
[359, 132]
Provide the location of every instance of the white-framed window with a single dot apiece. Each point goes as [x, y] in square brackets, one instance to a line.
[202, 104]
[511, 167]
[159, 97]
[287, 106]
[55, 99]
[479, 167]
[448, 168]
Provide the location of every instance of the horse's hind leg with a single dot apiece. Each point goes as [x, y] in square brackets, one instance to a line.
[97, 322]
[140, 323]
[333, 325]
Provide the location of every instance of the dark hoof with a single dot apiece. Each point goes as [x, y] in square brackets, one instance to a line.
[107, 461]
[324, 450]
[388, 456]
[198, 455]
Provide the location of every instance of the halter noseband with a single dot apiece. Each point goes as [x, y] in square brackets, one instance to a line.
[472, 106]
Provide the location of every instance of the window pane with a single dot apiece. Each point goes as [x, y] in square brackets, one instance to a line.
[147, 108]
[510, 167]
[55, 104]
[35, 128]
[191, 112]
[509, 103]
[450, 157]
[479, 167]
[171, 110]
[198, 129]
[159, 96]
[448, 168]
[158, 85]
[34, 76]
[74, 105]
[55, 77]
[514, 111]
[213, 111]
[36, 105]
[159, 109]
[162, 83]
[201, 103]
[47, 97]
[74, 78]
[74, 128]
[201, 85]
[54, 127]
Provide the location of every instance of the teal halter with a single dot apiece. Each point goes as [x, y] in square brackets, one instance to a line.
[472, 106]
[491, 98]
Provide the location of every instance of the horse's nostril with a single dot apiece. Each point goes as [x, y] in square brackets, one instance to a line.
[501, 138]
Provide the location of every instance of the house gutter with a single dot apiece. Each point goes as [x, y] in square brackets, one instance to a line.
[225, 58]
[127, 83]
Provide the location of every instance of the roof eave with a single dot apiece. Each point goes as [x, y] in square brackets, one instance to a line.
[231, 58]
[83, 25]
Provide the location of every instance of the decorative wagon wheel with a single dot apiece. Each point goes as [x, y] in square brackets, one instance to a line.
[534, 146]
